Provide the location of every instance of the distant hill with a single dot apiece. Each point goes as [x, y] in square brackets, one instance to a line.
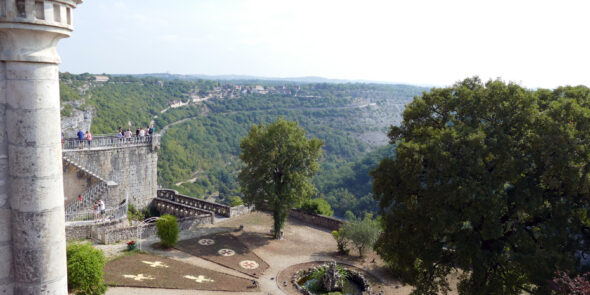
[254, 79]
[204, 121]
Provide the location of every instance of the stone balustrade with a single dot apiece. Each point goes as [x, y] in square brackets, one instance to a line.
[179, 210]
[110, 141]
[174, 196]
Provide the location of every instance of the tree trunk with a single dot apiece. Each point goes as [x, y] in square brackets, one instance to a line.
[279, 215]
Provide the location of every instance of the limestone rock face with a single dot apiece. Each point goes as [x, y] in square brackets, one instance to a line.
[332, 281]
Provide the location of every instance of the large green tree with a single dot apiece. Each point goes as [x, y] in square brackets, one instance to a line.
[279, 164]
[490, 180]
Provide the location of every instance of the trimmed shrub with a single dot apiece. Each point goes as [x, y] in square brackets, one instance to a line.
[167, 230]
[85, 270]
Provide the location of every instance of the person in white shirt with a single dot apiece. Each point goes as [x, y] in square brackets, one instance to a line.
[102, 207]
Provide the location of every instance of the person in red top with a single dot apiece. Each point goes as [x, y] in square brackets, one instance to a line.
[80, 199]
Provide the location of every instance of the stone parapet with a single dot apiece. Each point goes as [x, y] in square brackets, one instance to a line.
[172, 195]
[81, 231]
[179, 210]
[318, 220]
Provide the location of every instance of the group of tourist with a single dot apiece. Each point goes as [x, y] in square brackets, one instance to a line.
[84, 137]
[140, 132]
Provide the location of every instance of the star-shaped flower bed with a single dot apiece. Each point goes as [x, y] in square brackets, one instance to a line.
[150, 271]
[226, 250]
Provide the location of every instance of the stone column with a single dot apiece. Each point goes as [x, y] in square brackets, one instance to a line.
[35, 176]
[6, 285]
[30, 145]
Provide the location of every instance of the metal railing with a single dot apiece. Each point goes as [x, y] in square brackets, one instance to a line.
[76, 160]
[106, 141]
[93, 216]
[88, 196]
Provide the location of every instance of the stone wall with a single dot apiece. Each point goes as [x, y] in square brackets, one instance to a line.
[318, 220]
[130, 233]
[240, 210]
[134, 169]
[84, 230]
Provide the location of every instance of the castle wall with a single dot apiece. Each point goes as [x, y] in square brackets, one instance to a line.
[133, 168]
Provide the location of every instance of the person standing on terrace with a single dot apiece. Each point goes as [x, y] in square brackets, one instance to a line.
[128, 134]
[80, 135]
[88, 138]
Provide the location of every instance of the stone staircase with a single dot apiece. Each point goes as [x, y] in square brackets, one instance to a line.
[74, 160]
[96, 191]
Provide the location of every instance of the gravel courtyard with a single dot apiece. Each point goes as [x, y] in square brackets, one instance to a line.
[302, 243]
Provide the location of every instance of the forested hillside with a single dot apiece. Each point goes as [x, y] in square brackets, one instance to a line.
[203, 121]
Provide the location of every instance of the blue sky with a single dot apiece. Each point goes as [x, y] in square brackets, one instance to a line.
[534, 43]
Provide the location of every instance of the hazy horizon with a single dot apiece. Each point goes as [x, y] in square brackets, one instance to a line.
[537, 44]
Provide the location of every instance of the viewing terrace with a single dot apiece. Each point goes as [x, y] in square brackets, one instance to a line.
[106, 141]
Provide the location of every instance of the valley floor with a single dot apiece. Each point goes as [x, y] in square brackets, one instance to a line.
[302, 244]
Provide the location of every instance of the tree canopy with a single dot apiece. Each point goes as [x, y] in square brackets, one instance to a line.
[279, 164]
[489, 179]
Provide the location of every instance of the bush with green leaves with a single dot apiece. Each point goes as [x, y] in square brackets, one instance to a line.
[341, 241]
[167, 230]
[134, 214]
[317, 206]
[85, 270]
[362, 233]
[235, 201]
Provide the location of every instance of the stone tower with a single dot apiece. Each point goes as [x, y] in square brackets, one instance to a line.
[32, 234]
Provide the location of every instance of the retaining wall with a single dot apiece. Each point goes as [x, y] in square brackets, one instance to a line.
[240, 210]
[319, 220]
[83, 230]
[130, 233]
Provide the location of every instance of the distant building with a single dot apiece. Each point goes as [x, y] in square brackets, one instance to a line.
[101, 78]
[259, 89]
[177, 103]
